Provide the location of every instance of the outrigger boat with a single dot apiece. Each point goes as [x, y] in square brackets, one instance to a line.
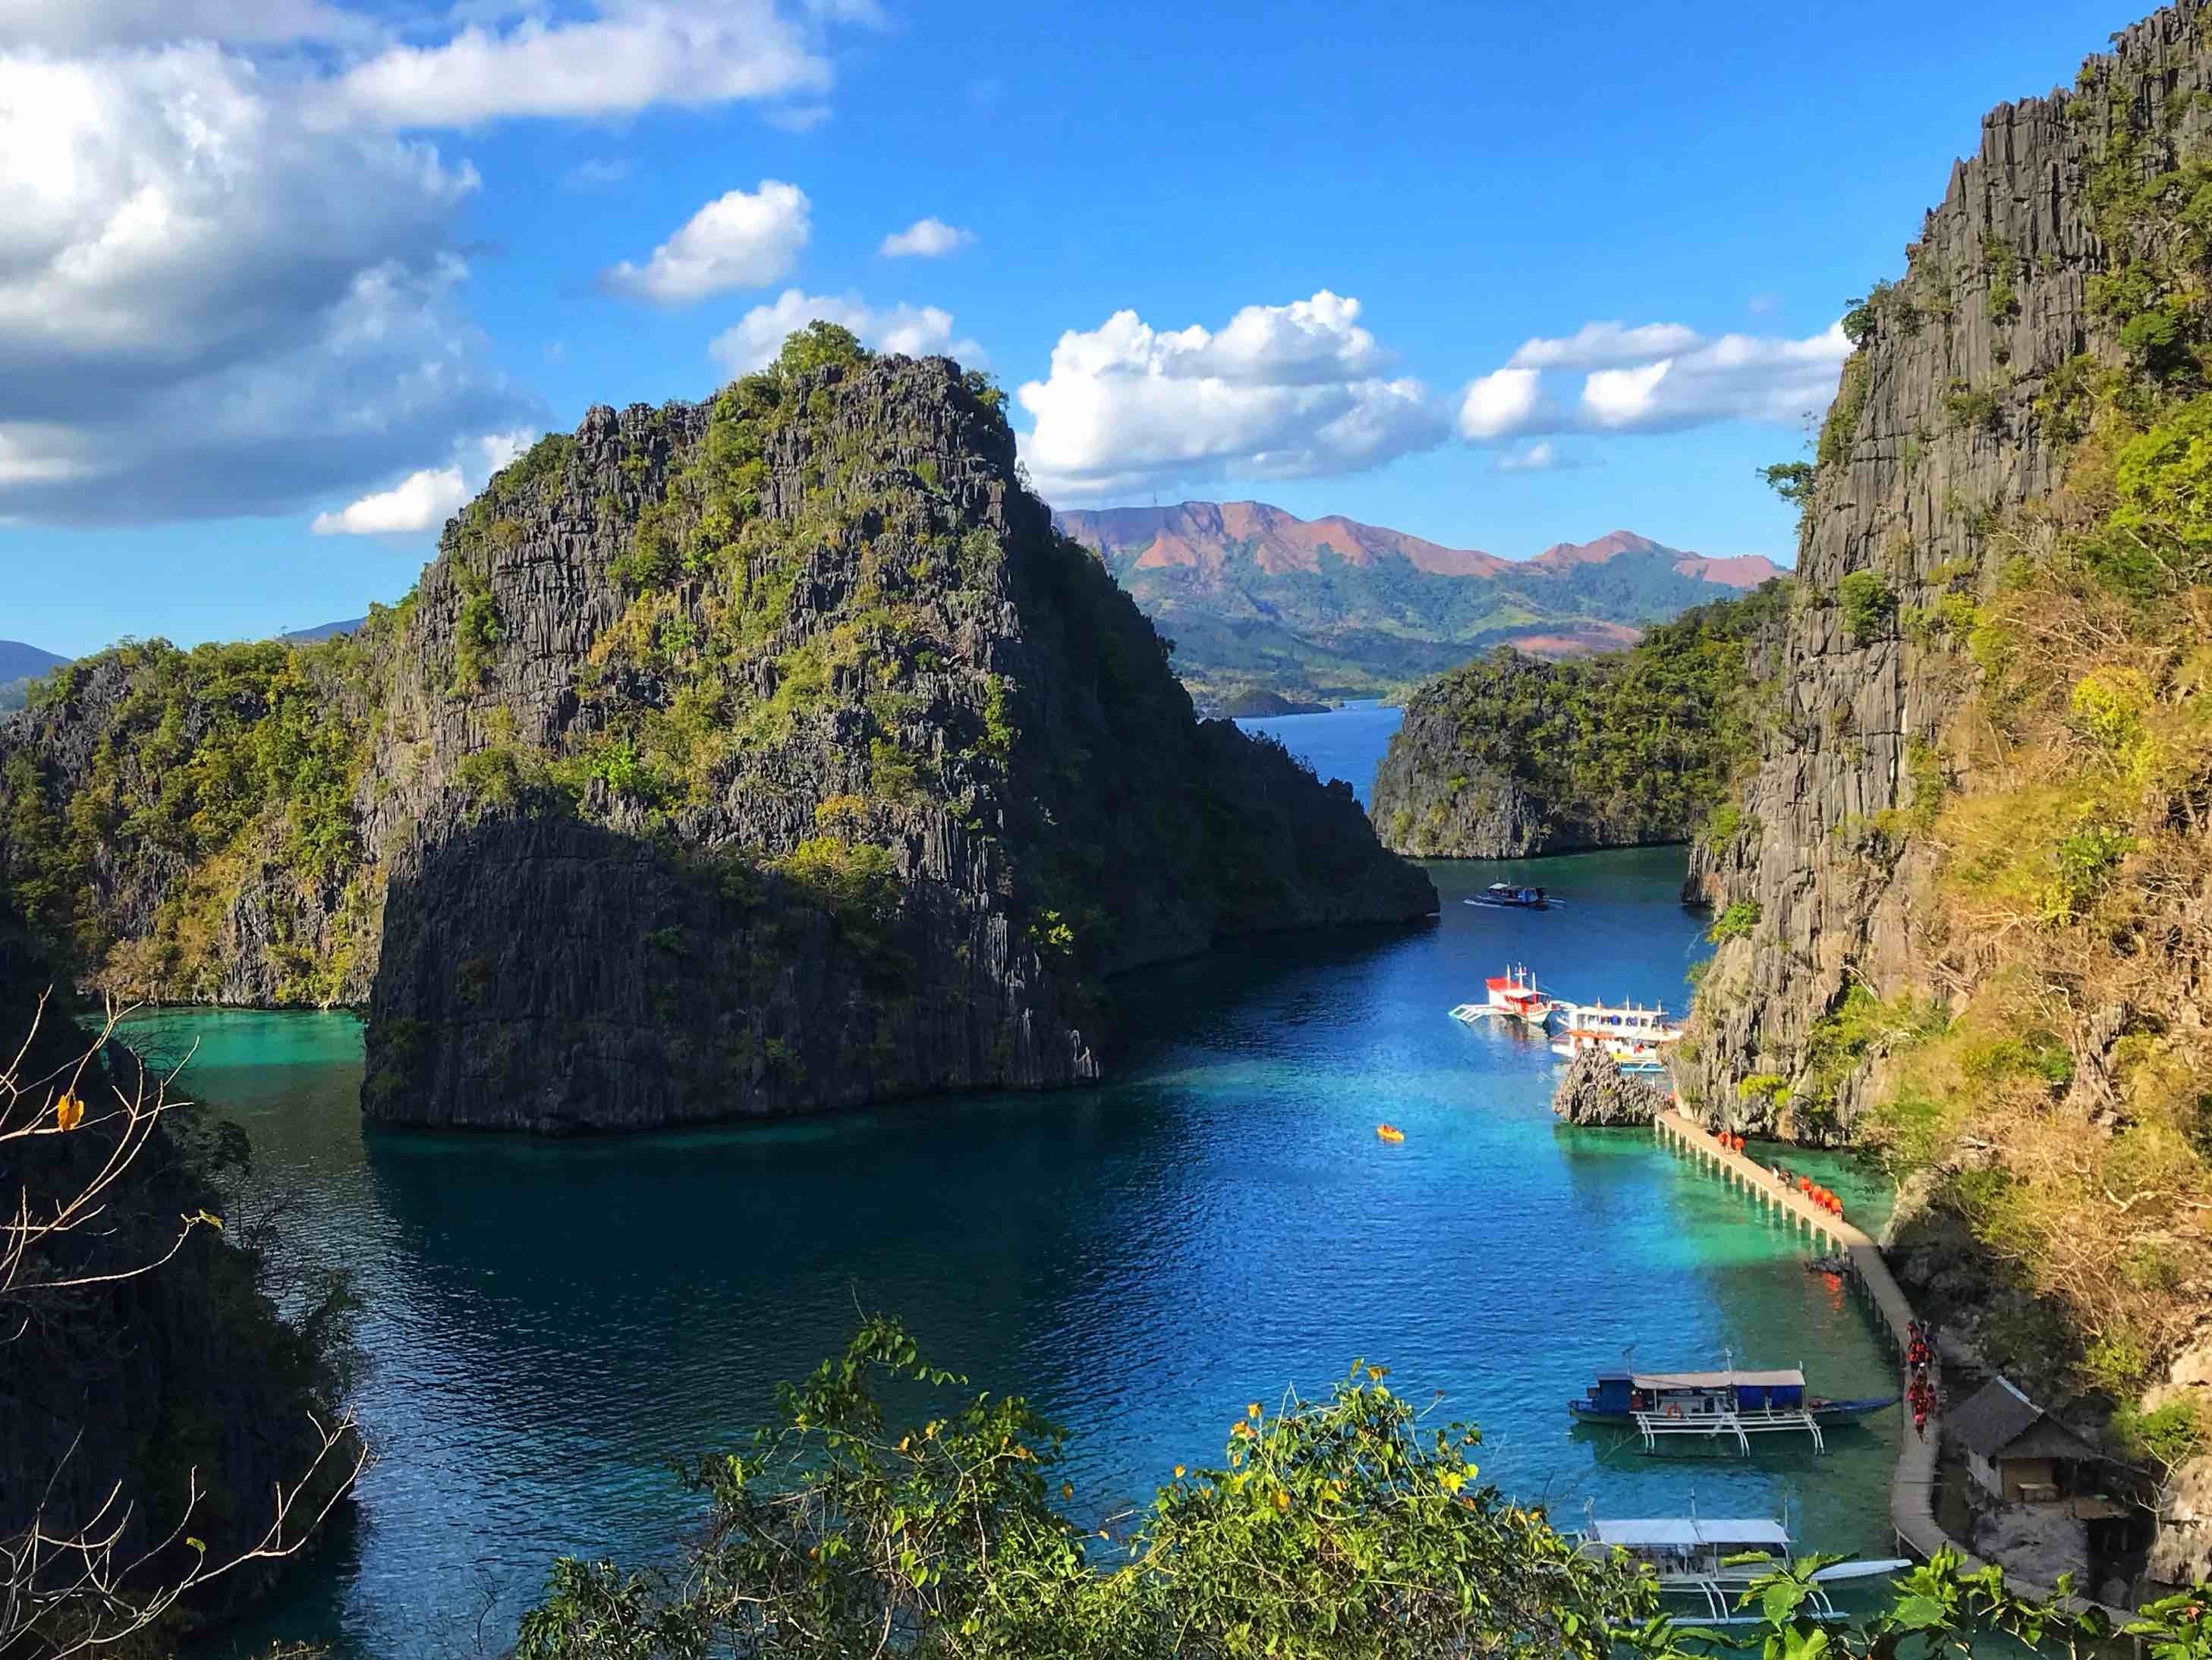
[1636, 1037]
[1707, 1565]
[1513, 896]
[1515, 995]
[1731, 1402]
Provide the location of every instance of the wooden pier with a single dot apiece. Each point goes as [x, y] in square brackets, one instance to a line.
[1912, 1484]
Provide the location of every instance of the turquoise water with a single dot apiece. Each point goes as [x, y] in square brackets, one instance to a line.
[547, 1323]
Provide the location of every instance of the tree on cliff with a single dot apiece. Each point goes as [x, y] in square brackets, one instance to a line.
[127, 1319]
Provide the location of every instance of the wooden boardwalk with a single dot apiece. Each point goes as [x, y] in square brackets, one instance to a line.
[1912, 1484]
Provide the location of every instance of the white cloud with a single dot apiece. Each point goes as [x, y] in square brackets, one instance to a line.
[1280, 391]
[1657, 377]
[417, 502]
[624, 56]
[76, 25]
[1537, 457]
[1600, 345]
[1500, 404]
[207, 307]
[736, 241]
[424, 500]
[926, 239]
[909, 330]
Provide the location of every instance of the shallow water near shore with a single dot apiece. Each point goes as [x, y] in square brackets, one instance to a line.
[547, 1323]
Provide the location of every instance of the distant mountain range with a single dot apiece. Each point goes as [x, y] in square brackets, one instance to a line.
[21, 664]
[1268, 609]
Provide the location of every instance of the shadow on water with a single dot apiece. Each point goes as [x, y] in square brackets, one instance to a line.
[548, 1322]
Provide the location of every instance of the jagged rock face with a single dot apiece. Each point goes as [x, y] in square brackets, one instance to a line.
[1596, 1091]
[763, 756]
[1936, 430]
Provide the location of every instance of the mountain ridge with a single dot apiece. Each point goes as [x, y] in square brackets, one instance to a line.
[1263, 603]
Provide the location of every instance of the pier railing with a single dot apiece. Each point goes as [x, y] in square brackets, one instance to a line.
[1912, 1484]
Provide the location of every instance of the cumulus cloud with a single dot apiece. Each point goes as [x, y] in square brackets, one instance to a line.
[1500, 404]
[737, 241]
[1280, 391]
[621, 57]
[1654, 376]
[926, 239]
[206, 306]
[426, 499]
[910, 331]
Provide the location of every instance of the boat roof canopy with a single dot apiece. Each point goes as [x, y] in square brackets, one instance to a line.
[1791, 1379]
[1691, 1530]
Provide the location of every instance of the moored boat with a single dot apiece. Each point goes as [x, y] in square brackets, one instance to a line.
[1735, 1403]
[1704, 1566]
[1516, 994]
[1513, 896]
[1636, 1037]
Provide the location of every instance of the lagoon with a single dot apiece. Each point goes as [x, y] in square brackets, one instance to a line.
[547, 1323]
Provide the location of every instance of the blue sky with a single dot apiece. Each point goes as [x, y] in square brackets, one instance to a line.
[296, 284]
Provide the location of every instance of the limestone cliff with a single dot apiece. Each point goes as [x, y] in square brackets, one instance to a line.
[1967, 896]
[766, 755]
[1510, 756]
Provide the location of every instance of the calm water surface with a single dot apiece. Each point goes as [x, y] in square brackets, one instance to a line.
[1345, 743]
[547, 1323]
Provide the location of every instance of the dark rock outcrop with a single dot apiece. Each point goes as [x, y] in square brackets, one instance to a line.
[132, 1365]
[764, 756]
[1596, 1091]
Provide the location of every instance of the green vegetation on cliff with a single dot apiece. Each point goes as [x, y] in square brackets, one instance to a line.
[238, 764]
[1510, 756]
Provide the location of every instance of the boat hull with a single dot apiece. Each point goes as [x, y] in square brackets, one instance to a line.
[1830, 1412]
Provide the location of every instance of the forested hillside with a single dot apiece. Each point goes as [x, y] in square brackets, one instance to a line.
[1510, 755]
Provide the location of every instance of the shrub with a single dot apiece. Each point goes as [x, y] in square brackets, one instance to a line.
[1735, 923]
[1869, 604]
[2168, 1436]
[1969, 408]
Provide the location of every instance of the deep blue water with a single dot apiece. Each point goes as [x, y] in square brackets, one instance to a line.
[547, 1323]
[1345, 743]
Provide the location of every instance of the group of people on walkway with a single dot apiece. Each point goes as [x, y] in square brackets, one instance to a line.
[1806, 1188]
[1920, 1384]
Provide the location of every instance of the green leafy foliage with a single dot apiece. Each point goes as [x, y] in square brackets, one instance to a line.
[1793, 480]
[1735, 923]
[1868, 603]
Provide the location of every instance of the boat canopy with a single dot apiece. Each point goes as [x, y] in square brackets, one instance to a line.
[1792, 1379]
[1685, 1531]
